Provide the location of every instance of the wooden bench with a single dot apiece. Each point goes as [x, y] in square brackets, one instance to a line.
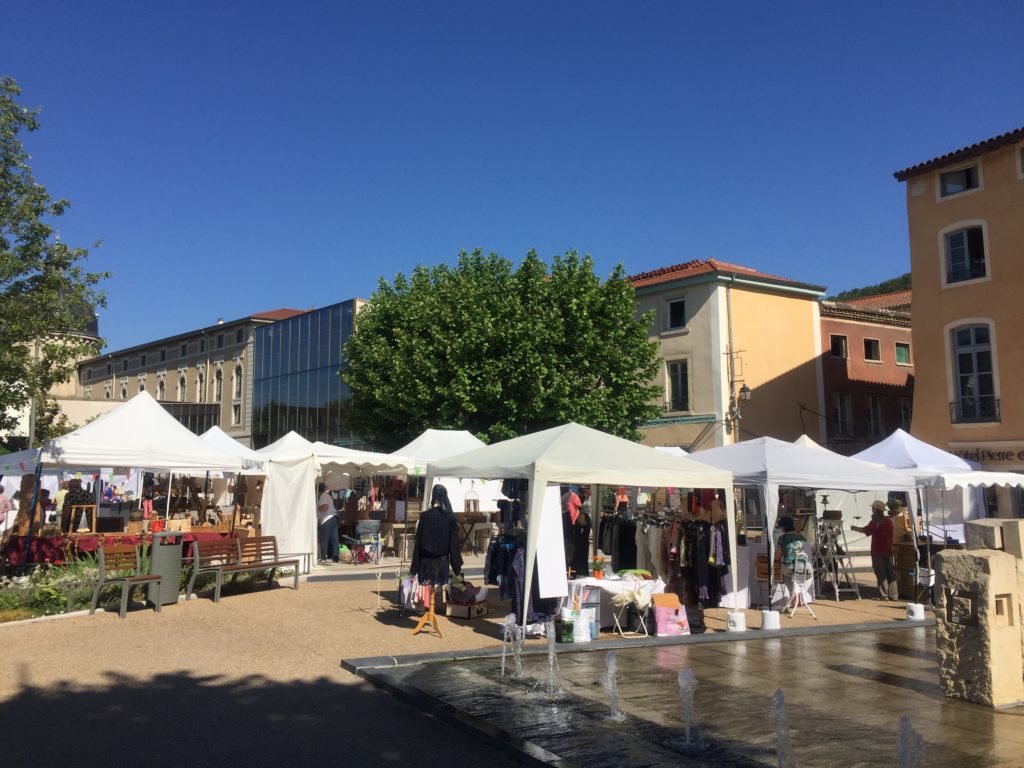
[121, 564]
[234, 556]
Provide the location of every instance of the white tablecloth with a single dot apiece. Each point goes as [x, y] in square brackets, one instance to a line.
[606, 588]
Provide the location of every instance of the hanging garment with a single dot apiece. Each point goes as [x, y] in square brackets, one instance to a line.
[580, 534]
[436, 551]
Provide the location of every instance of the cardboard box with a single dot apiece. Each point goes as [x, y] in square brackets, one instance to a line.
[467, 611]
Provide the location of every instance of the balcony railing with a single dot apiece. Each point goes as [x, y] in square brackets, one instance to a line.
[974, 410]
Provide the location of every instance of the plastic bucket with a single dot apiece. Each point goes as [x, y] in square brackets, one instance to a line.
[736, 621]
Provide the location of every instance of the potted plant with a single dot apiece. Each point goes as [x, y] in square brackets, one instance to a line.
[597, 566]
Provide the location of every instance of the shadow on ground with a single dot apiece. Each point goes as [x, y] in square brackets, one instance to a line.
[179, 718]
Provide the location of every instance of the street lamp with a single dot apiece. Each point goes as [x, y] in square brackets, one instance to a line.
[732, 421]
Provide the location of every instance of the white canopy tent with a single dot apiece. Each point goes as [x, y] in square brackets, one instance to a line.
[936, 473]
[436, 444]
[576, 454]
[252, 461]
[291, 444]
[767, 463]
[289, 496]
[138, 434]
[673, 450]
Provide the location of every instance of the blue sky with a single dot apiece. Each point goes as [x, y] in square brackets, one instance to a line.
[241, 156]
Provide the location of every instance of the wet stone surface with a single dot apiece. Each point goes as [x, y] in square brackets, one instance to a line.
[844, 697]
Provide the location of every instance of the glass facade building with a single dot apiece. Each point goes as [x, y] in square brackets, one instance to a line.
[296, 376]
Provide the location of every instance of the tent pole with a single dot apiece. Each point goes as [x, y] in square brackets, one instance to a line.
[32, 513]
[167, 506]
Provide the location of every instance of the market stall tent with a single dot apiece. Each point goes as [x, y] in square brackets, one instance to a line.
[938, 473]
[767, 463]
[673, 450]
[436, 444]
[573, 453]
[140, 433]
[251, 460]
[290, 444]
[292, 465]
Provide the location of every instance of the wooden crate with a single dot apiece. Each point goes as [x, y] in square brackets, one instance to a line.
[761, 569]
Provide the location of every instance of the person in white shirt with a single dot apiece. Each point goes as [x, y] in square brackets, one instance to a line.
[328, 528]
[5, 507]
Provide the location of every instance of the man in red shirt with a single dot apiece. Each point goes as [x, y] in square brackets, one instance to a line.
[880, 529]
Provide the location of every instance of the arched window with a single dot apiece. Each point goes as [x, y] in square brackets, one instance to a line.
[124, 392]
[218, 385]
[974, 379]
[199, 387]
[160, 390]
[181, 389]
[238, 382]
[142, 386]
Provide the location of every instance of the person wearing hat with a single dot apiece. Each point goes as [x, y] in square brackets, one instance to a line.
[880, 529]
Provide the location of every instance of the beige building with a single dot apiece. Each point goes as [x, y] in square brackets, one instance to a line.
[739, 353]
[965, 213]
[203, 377]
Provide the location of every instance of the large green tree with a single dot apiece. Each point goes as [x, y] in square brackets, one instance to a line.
[47, 298]
[500, 351]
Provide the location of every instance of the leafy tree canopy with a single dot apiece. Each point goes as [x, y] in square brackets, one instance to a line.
[46, 297]
[500, 351]
[900, 283]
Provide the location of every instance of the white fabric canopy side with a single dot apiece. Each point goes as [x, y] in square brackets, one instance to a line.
[139, 433]
[573, 453]
[288, 510]
[976, 479]
[347, 459]
[20, 463]
[768, 464]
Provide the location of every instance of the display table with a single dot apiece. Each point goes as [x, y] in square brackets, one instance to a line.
[58, 549]
[598, 593]
[469, 524]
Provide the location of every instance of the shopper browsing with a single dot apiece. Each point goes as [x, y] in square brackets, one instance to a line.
[880, 529]
[327, 529]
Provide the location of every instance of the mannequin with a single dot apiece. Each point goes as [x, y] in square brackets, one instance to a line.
[436, 552]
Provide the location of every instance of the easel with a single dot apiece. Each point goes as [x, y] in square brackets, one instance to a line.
[831, 560]
[430, 617]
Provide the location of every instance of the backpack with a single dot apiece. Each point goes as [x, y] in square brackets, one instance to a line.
[790, 550]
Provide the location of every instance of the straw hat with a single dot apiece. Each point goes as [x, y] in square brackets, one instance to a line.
[878, 506]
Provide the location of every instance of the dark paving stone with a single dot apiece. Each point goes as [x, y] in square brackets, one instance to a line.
[845, 694]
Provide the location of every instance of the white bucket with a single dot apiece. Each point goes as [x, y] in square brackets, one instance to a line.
[915, 612]
[736, 621]
[770, 620]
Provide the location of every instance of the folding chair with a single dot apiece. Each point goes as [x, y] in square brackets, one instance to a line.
[366, 545]
[122, 564]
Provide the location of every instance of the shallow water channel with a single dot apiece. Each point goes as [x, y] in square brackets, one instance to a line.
[845, 695]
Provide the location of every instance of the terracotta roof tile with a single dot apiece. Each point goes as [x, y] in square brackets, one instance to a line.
[963, 153]
[701, 267]
[892, 300]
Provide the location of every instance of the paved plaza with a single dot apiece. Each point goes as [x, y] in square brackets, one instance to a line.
[257, 679]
